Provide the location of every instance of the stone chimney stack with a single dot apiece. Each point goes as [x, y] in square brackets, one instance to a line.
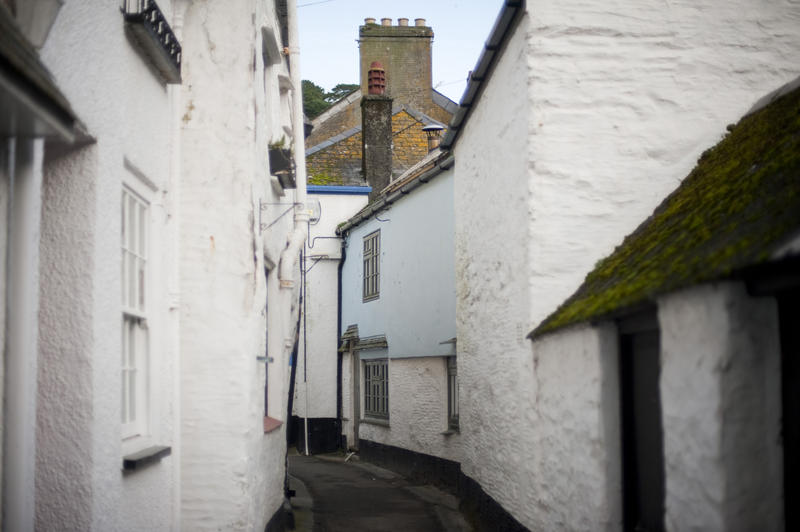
[376, 131]
[404, 50]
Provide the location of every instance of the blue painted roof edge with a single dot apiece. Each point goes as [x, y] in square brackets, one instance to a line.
[338, 189]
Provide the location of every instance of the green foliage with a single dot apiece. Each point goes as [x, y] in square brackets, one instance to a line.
[340, 91]
[314, 103]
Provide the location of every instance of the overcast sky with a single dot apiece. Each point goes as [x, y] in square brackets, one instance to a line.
[329, 29]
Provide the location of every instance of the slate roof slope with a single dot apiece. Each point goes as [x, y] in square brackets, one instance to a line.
[734, 210]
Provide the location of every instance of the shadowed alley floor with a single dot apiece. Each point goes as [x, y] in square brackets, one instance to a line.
[336, 496]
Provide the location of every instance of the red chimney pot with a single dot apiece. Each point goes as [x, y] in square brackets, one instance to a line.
[376, 79]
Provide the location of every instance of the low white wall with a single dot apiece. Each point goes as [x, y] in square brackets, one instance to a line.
[417, 409]
[571, 433]
[720, 398]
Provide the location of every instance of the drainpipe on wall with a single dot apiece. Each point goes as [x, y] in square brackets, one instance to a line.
[299, 234]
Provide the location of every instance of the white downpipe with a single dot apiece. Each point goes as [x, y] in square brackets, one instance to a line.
[22, 335]
[299, 234]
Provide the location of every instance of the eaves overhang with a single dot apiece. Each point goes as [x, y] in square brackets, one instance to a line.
[387, 199]
[31, 105]
[503, 27]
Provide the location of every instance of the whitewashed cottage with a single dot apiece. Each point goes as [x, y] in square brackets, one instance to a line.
[399, 373]
[578, 119]
[680, 348]
[147, 286]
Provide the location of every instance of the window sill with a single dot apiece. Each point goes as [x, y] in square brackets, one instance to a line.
[145, 457]
[450, 432]
[271, 424]
[375, 421]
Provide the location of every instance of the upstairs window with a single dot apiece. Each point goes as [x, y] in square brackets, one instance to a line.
[135, 337]
[372, 262]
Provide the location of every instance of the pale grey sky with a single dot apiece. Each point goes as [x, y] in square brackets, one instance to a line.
[329, 29]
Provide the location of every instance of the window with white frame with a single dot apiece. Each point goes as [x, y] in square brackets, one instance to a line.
[452, 393]
[376, 388]
[372, 261]
[135, 337]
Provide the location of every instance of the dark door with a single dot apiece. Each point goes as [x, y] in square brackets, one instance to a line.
[789, 311]
[642, 433]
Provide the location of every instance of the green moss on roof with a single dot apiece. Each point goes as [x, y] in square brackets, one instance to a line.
[740, 202]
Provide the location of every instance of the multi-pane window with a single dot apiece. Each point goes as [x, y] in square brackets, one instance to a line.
[452, 393]
[376, 388]
[135, 215]
[372, 261]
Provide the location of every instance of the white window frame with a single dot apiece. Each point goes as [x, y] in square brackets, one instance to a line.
[136, 302]
[376, 388]
[371, 278]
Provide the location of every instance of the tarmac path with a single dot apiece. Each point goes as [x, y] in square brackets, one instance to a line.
[356, 496]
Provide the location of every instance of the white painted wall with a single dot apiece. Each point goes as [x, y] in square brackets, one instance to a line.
[493, 306]
[231, 472]
[624, 97]
[415, 312]
[319, 376]
[126, 108]
[570, 435]
[721, 404]
[416, 307]
[620, 100]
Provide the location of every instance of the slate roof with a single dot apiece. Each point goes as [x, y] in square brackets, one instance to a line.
[733, 211]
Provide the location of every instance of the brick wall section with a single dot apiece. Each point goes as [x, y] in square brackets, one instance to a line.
[410, 142]
[405, 53]
[340, 163]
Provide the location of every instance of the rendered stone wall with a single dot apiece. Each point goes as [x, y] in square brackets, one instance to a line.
[417, 409]
[571, 462]
[493, 298]
[231, 472]
[721, 404]
[620, 100]
[624, 98]
[128, 111]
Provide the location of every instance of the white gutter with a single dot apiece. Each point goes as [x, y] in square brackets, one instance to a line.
[298, 236]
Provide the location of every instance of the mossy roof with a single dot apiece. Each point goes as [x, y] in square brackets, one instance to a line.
[738, 205]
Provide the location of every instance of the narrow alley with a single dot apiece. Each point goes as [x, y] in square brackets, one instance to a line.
[332, 494]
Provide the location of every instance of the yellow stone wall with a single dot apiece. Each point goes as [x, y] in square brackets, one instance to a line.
[340, 163]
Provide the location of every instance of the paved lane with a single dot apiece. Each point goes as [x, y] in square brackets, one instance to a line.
[356, 496]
